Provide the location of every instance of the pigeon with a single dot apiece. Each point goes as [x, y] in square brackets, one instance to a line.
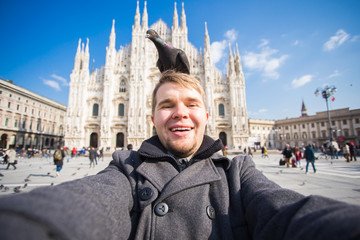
[170, 58]
[1, 186]
[17, 189]
[6, 189]
[27, 180]
[1, 175]
[25, 185]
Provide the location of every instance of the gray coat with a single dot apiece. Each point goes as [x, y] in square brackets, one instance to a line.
[147, 195]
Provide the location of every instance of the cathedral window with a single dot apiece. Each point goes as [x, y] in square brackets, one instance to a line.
[95, 109]
[122, 86]
[221, 110]
[121, 110]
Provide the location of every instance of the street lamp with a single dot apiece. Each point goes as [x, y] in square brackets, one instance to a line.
[326, 92]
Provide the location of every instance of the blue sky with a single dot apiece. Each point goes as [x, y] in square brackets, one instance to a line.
[288, 48]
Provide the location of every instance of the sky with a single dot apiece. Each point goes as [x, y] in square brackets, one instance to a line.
[288, 48]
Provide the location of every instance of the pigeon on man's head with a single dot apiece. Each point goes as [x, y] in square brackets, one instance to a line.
[170, 58]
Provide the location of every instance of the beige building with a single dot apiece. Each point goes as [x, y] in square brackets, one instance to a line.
[28, 120]
[261, 132]
[345, 125]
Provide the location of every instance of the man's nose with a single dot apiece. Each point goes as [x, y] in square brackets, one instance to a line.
[181, 111]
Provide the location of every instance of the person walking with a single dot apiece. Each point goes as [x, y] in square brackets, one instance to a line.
[297, 154]
[346, 152]
[58, 159]
[68, 154]
[101, 155]
[352, 151]
[310, 158]
[264, 152]
[287, 154]
[11, 159]
[92, 156]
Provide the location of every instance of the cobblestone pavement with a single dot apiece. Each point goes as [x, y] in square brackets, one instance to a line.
[335, 178]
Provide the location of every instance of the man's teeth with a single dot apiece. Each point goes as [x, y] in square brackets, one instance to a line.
[180, 129]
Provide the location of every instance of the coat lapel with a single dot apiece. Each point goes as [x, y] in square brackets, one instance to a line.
[169, 181]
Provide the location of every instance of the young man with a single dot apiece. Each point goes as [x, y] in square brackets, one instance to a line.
[176, 186]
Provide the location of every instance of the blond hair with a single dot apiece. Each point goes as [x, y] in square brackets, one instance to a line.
[184, 80]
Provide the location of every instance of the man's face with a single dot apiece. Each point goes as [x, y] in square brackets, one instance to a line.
[180, 118]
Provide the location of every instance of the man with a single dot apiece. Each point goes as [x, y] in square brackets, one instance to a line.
[92, 156]
[287, 152]
[59, 155]
[176, 186]
[11, 158]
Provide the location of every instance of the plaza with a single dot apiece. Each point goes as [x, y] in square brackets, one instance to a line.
[334, 178]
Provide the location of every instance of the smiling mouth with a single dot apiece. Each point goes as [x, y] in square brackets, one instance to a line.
[182, 129]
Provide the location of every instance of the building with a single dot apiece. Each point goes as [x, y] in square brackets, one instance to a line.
[28, 120]
[261, 132]
[314, 129]
[110, 107]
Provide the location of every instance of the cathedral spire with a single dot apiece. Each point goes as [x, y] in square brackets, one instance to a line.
[175, 18]
[206, 39]
[112, 36]
[231, 61]
[238, 66]
[303, 109]
[183, 17]
[137, 16]
[145, 17]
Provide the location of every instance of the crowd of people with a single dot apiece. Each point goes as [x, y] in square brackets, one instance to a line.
[293, 154]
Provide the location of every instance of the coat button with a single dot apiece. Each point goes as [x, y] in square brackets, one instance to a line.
[161, 209]
[210, 211]
[146, 193]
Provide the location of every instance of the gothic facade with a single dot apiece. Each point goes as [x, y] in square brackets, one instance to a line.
[111, 107]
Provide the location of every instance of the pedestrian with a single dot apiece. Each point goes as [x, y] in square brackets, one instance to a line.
[297, 154]
[129, 147]
[101, 154]
[224, 151]
[59, 155]
[352, 149]
[11, 159]
[264, 152]
[74, 152]
[67, 153]
[245, 151]
[335, 149]
[92, 156]
[310, 158]
[250, 152]
[176, 186]
[287, 152]
[346, 152]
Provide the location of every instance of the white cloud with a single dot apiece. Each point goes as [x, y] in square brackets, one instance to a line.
[60, 79]
[264, 42]
[336, 41]
[265, 61]
[263, 110]
[301, 81]
[218, 48]
[336, 73]
[53, 84]
[295, 43]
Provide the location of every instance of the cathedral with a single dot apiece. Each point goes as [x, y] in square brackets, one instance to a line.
[110, 107]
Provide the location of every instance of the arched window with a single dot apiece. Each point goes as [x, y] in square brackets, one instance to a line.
[121, 110]
[221, 110]
[95, 109]
[122, 86]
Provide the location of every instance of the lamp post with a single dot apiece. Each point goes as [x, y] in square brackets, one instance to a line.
[326, 92]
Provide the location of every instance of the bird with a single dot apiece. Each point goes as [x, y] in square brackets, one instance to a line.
[17, 189]
[25, 185]
[27, 180]
[1, 186]
[1, 175]
[170, 58]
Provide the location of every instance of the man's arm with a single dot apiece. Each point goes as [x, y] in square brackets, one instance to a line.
[95, 207]
[273, 212]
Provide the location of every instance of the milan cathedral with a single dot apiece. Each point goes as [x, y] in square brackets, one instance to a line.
[110, 107]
